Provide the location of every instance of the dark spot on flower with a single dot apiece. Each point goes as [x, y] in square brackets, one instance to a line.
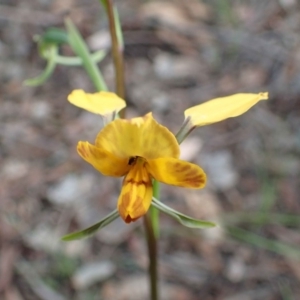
[131, 160]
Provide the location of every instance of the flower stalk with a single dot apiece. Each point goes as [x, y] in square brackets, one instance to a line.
[154, 212]
[152, 253]
[117, 47]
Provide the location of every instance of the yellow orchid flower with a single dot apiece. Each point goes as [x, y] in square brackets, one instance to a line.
[141, 150]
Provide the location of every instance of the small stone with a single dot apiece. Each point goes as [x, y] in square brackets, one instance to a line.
[71, 189]
[44, 238]
[236, 269]
[171, 67]
[14, 169]
[219, 168]
[99, 40]
[91, 273]
[40, 110]
[161, 102]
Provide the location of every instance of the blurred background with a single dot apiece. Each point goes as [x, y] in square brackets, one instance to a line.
[177, 54]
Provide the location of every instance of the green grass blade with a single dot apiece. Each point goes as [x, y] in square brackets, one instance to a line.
[258, 241]
[256, 217]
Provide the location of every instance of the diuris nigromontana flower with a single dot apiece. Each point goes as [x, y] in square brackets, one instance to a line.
[140, 149]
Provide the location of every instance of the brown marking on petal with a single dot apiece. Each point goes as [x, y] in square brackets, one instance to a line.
[125, 200]
[140, 182]
[176, 165]
[179, 167]
[192, 172]
[138, 204]
[137, 207]
[94, 152]
[82, 151]
[185, 168]
[196, 181]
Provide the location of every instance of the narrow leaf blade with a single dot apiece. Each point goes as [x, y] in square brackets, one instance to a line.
[181, 218]
[92, 229]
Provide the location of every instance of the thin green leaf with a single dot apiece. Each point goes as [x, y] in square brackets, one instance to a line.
[80, 48]
[181, 218]
[47, 71]
[92, 229]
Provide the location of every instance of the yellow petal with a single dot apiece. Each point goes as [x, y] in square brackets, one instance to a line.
[105, 162]
[176, 172]
[101, 103]
[222, 108]
[136, 193]
[142, 137]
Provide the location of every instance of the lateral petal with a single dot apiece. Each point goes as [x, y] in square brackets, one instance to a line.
[222, 108]
[136, 194]
[103, 161]
[176, 172]
[101, 103]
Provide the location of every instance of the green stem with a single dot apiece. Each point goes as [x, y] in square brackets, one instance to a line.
[184, 131]
[80, 48]
[152, 252]
[47, 72]
[154, 212]
[77, 61]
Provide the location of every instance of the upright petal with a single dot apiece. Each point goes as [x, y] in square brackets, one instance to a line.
[101, 103]
[222, 108]
[142, 137]
[103, 161]
[176, 172]
[136, 193]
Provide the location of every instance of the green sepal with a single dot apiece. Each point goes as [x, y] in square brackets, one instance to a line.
[92, 229]
[181, 218]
